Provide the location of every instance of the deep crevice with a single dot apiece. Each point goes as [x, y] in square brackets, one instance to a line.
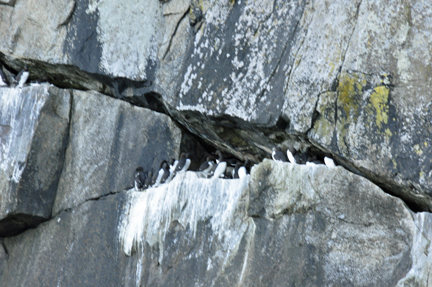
[15, 224]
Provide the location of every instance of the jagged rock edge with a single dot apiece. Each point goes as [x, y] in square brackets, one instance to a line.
[149, 95]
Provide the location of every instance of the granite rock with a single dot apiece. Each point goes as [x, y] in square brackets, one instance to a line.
[34, 131]
[284, 225]
[108, 140]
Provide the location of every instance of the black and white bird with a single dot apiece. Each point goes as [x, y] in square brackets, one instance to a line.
[278, 155]
[293, 156]
[206, 167]
[22, 77]
[329, 162]
[166, 173]
[242, 171]
[3, 78]
[140, 178]
[148, 181]
[183, 163]
[172, 169]
[236, 169]
[158, 175]
[221, 166]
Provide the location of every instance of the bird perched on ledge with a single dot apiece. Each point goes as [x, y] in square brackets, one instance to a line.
[183, 163]
[3, 78]
[22, 77]
[140, 178]
[206, 167]
[278, 155]
[221, 166]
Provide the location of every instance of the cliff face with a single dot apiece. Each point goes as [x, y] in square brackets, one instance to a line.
[137, 82]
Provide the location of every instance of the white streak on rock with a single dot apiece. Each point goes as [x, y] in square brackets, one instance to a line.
[19, 113]
[189, 200]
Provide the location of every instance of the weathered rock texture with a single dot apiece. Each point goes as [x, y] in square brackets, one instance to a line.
[351, 78]
[348, 79]
[60, 148]
[108, 140]
[284, 225]
[34, 130]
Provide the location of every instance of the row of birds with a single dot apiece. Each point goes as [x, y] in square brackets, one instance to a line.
[220, 168]
[300, 158]
[19, 80]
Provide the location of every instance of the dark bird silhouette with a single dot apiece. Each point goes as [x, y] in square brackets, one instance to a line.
[278, 155]
[148, 181]
[140, 178]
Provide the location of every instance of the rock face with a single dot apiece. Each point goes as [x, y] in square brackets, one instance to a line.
[60, 148]
[34, 130]
[347, 80]
[250, 74]
[284, 225]
[108, 140]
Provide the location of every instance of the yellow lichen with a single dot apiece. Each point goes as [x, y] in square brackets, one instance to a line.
[388, 133]
[332, 67]
[350, 87]
[379, 101]
[417, 149]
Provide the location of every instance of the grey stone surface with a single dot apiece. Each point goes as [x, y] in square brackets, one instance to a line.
[76, 248]
[247, 75]
[108, 140]
[352, 79]
[289, 225]
[284, 225]
[34, 127]
[292, 67]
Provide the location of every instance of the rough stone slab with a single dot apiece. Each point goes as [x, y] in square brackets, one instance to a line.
[34, 127]
[76, 248]
[86, 34]
[248, 74]
[352, 80]
[310, 226]
[383, 104]
[108, 139]
[283, 226]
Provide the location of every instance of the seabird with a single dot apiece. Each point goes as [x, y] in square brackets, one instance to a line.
[235, 173]
[278, 155]
[172, 169]
[293, 156]
[206, 167]
[183, 163]
[140, 178]
[329, 162]
[242, 172]
[160, 173]
[3, 78]
[221, 167]
[166, 173]
[231, 161]
[148, 181]
[22, 77]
